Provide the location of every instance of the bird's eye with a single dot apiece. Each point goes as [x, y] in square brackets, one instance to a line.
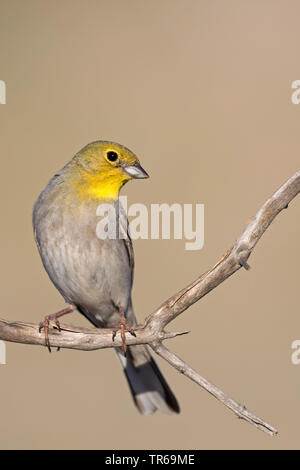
[112, 156]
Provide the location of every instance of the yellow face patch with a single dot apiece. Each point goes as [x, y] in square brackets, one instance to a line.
[97, 170]
[105, 185]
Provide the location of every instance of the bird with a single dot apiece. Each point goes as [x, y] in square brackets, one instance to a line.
[94, 274]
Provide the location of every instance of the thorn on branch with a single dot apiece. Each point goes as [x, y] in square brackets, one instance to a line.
[169, 335]
[243, 254]
[244, 264]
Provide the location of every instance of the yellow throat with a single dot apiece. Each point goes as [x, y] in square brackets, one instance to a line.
[105, 185]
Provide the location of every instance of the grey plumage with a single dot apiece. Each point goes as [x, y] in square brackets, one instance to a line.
[96, 276]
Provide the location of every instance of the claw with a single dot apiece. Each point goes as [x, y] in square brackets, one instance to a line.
[44, 325]
[123, 328]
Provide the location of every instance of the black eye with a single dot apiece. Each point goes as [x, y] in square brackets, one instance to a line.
[112, 156]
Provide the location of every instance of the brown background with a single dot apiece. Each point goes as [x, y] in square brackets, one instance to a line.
[201, 91]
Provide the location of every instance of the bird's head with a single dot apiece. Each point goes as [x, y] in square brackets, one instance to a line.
[101, 168]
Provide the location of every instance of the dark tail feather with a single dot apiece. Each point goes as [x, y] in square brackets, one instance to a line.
[149, 388]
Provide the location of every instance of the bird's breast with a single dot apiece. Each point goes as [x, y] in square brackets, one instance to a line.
[90, 272]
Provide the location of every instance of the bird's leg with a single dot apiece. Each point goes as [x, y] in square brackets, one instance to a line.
[53, 318]
[123, 328]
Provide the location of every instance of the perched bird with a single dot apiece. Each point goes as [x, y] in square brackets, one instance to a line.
[95, 275]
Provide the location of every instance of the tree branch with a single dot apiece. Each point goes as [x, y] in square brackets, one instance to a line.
[71, 337]
[240, 410]
[232, 261]
[152, 333]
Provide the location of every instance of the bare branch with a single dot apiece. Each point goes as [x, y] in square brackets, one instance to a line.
[84, 339]
[240, 410]
[152, 333]
[232, 261]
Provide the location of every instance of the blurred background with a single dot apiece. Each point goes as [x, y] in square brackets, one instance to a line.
[201, 91]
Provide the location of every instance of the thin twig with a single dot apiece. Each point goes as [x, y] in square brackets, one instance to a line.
[240, 410]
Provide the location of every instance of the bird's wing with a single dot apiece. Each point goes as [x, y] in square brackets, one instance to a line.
[129, 249]
[125, 235]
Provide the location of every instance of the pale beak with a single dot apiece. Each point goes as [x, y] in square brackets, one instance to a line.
[136, 171]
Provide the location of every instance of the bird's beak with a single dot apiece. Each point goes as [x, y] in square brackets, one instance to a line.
[135, 171]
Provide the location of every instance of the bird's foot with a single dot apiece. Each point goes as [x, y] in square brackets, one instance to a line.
[45, 324]
[123, 327]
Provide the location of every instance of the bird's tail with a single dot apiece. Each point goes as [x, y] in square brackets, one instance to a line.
[148, 387]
